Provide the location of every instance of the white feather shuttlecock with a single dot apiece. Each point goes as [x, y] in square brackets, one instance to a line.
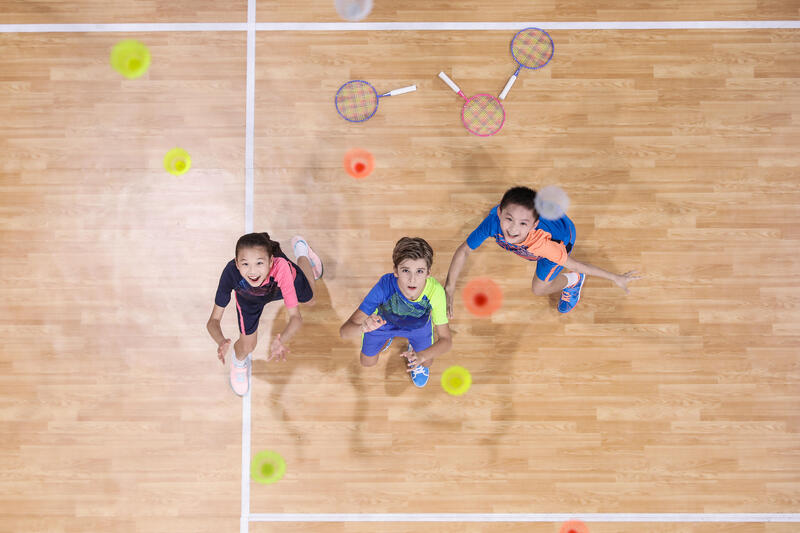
[353, 10]
[551, 202]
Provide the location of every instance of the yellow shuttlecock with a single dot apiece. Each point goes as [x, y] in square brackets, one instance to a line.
[130, 58]
[267, 467]
[456, 380]
[177, 161]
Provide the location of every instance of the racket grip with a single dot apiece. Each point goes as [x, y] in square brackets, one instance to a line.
[508, 86]
[403, 90]
[449, 82]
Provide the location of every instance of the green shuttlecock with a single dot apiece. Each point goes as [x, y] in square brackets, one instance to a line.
[130, 58]
[267, 467]
[456, 380]
[177, 161]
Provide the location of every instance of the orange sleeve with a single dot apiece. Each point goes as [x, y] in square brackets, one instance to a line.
[539, 242]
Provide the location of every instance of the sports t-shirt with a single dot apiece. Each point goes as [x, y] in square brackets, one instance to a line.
[279, 284]
[551, 239]
[396, 309]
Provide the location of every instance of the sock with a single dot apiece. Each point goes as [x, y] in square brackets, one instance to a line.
[241, 364]
[301, 250]
[572, 278]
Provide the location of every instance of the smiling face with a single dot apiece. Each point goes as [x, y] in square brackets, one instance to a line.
[254, 264]
[411, 276]
[516, 221]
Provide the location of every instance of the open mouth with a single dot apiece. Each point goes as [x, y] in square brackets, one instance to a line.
[253, 280]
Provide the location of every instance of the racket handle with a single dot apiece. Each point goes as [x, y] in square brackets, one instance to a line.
[449, 82]
[403, 90]
[508, 86]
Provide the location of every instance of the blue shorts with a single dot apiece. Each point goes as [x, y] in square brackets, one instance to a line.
[546, 270]
[420, 339]
[249, 313]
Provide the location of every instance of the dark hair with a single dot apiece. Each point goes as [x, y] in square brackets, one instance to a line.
[522, 196]
[412, 248]
[259, 240]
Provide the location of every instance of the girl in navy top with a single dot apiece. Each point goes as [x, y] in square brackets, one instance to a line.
[259, 274]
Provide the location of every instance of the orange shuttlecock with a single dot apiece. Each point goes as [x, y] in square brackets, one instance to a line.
[574, 526]
[482, 297]
[358, 163]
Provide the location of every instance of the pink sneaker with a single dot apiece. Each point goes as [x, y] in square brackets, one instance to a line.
[240, 377]
[299, 245]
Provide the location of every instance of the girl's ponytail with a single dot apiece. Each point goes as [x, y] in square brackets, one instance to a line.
[273, 247]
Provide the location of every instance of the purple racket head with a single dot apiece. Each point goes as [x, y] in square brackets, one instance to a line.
[532, 48]
[483, 115]
[356, 101]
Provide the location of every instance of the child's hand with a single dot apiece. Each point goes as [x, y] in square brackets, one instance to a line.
[414, 360]
[278, 350]
[372, 323]
[626, 278]
[449, 297]
[223, 349]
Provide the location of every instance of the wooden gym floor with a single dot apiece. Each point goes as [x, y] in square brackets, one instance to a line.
[678, 149]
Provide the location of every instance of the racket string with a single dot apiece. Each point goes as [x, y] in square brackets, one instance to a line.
[532, 48]
[356, 101]
[483, 115]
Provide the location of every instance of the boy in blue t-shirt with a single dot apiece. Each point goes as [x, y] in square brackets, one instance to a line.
[515, 226]
[406, 303]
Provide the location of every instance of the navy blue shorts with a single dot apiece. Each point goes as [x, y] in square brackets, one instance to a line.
[420, 339]
[249, 313]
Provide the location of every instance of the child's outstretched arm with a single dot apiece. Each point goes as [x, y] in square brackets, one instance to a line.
[621, 280]
[456, 264]
[359, 323]
[215, 329]
[277, 349]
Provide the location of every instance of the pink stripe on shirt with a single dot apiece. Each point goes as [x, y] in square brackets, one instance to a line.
[284, 274]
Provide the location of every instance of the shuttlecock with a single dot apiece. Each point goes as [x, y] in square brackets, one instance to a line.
[551, 202]
[353, 10]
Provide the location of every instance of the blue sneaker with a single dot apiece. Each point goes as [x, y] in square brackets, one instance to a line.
[570, 295]
[420, 375]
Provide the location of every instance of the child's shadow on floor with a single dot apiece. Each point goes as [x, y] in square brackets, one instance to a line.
[314, 351]
[318, 351]
[396, 377]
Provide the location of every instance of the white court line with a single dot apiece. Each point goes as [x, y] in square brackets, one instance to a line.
[438, 26]
[123, 27]
[527, 517]
[244, 522]
[249, 136]
[388, 26]
[250, 116]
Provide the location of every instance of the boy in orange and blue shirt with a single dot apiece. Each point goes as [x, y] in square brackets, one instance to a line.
[516, 226]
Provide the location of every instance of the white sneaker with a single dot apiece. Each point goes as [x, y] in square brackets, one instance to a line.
[240, 377]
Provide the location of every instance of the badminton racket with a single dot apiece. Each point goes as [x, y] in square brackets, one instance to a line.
[482, 114]
[531, 48]
[357, 100]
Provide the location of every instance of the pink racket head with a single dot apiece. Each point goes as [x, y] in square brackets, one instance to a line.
[483, 115]
[532, 48]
